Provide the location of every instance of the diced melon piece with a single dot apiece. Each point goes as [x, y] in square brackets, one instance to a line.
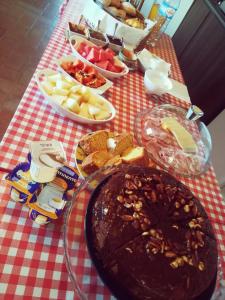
[93, 110]
[48, 87]
[59, 98]
[84, 112]
[75, 89]
[62, 84]
[86, 94]
[72, 104]
[75, 96]
[103, 115]
[62, 92]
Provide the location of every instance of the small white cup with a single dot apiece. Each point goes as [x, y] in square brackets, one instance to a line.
[157, 82]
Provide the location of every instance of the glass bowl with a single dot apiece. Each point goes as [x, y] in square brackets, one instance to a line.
[86, 282]
[162, 146]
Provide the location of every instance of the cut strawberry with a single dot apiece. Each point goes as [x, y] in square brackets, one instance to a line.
[78, 64]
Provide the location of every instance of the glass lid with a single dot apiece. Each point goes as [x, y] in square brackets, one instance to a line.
[173, 141]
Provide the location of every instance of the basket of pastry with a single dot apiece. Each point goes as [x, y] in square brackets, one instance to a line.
[103, 148]
[119, 18]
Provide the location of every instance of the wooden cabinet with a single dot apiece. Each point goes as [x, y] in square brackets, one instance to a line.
[200, 46]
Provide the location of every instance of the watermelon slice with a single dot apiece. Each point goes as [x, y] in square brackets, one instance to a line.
[102, 55]
[93, 55]
[87, 48]
[102, 64]
[118, 68]
[109, 53]
[81, 47]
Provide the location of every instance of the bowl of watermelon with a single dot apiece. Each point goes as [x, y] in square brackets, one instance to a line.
[83, 74]
[103, 60]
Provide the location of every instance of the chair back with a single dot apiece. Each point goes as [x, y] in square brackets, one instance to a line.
[137, 3]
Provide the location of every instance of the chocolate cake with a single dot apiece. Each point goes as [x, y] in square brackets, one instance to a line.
[150, 238]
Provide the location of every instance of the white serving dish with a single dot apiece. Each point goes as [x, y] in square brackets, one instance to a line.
[100, 90]
[62, 110]
[75, 41]
[93, 13]
[71, 33]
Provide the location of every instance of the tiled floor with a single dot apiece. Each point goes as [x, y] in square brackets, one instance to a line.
[25, 28]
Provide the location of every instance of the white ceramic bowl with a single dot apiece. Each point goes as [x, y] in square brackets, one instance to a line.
[157, 83]
[62, 110]
[75, 41]
[70, 58]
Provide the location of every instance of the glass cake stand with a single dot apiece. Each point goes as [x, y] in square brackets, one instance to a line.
[86, 281]
[162, 146]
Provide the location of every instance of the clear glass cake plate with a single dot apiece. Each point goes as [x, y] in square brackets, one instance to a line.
[162, 145]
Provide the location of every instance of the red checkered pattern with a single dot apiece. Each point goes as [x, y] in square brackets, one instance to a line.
[32, 257]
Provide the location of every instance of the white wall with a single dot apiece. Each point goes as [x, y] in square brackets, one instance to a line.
[217, 129]
[177, 19]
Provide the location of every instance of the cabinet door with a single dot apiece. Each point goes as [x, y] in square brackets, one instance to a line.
[202, 61]
[196, 15]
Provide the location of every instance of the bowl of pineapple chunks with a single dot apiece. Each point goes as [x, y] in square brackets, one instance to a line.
[72, 100]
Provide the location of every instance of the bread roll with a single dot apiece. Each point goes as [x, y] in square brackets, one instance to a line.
[116, 3]
[106, 2]
[121, 13]
[113, 10]
[129, 8]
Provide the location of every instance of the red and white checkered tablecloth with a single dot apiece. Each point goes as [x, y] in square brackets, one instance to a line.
[32, 263]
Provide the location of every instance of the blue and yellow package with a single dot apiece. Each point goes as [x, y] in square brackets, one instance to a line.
[46, 201]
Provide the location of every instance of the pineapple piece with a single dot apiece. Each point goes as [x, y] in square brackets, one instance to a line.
[48, 87]
[62, 84]
[93, 110]
[75, 89]
[62, 92]
[103, 115]
[59, 99]
[84, 112]
[72, 104]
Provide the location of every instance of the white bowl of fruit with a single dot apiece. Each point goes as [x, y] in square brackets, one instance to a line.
[84, 74]
[104, 60]
[73, 100]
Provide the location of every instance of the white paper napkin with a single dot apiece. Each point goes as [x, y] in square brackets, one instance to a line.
[153, 62]
[179, 90]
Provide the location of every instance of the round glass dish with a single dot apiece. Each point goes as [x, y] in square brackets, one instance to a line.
[163, 147]
[86, 282]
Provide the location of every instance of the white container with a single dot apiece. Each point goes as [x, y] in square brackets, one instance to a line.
[75, 41]
[131, 36]
[62, 110]
[157, 83]
[46, 158]
[70, 58]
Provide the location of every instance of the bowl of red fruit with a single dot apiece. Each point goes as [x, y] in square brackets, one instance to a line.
[103, 60]
[83, 74]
